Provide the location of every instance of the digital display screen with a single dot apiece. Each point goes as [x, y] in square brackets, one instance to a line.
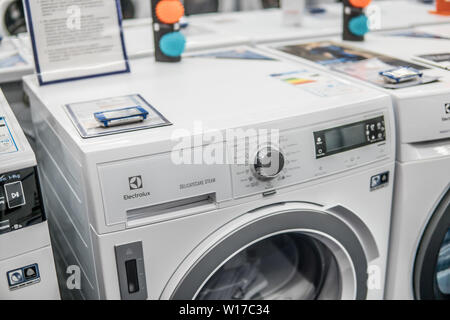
[345, 137]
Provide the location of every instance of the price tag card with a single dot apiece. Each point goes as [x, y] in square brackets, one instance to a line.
[76, 39]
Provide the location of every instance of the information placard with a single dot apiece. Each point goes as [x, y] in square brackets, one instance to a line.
[76, 39]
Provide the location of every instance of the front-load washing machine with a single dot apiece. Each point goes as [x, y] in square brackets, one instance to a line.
[274, 181]
[27, 268]
[419, 248]
[12, 17]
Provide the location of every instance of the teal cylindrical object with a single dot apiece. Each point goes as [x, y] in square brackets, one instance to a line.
[359, 25]
[172, 44]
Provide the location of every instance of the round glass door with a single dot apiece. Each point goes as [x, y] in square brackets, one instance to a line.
[285, 254]
[432, 265]
[443, 266]
[292, 266]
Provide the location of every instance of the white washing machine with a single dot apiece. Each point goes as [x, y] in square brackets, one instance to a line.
[304, 214]
[419, 249]
[12, 18]
[27, 268]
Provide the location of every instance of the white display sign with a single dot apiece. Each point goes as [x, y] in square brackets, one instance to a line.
[76, 39]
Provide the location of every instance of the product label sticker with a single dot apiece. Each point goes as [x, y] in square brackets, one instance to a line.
[83, 115]
[316, 83]
[7, 143]
[23, 277]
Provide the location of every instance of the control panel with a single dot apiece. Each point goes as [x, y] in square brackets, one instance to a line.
[171, 185]
[20, 200]
[355, 135]
[303, 154]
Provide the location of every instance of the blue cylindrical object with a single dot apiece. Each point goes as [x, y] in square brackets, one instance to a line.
[359, 25]
[172, 44]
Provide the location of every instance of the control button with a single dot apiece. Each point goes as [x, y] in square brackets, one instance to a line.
[373, 137]
[379, 125]
[380, 135]
[14, 194]
[269, 163]
[372, 127]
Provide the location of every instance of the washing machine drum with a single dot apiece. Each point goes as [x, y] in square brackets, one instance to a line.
[286, 266]
[288, 255]
[14, 17]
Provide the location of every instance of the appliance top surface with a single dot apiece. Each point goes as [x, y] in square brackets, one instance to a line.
[16, 153]
[405, 48]
[220, 93]
[264, 24]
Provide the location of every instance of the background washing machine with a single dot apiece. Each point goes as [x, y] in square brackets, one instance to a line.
[302, 216]
[27, 268]
[12, 17]
[419, 249]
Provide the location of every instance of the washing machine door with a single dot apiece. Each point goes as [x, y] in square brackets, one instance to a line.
[288, 254]
[12, 17]
[432, 264]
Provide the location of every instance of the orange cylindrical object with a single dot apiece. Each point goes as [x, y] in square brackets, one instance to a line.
[169, 11]
[360, 3]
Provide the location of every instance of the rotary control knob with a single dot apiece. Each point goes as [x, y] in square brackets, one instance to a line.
[269, 162]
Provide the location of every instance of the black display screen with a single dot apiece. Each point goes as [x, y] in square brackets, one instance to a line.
[345, 137]
[348, 137]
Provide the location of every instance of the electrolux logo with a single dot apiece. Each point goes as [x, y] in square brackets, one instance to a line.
[447, 108]
[135, 183]
[136, 195]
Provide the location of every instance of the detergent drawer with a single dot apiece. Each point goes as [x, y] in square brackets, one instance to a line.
[154, 187]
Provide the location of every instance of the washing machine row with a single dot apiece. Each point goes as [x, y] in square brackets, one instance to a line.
[116, 234]
[138, 225]
[418, 264]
